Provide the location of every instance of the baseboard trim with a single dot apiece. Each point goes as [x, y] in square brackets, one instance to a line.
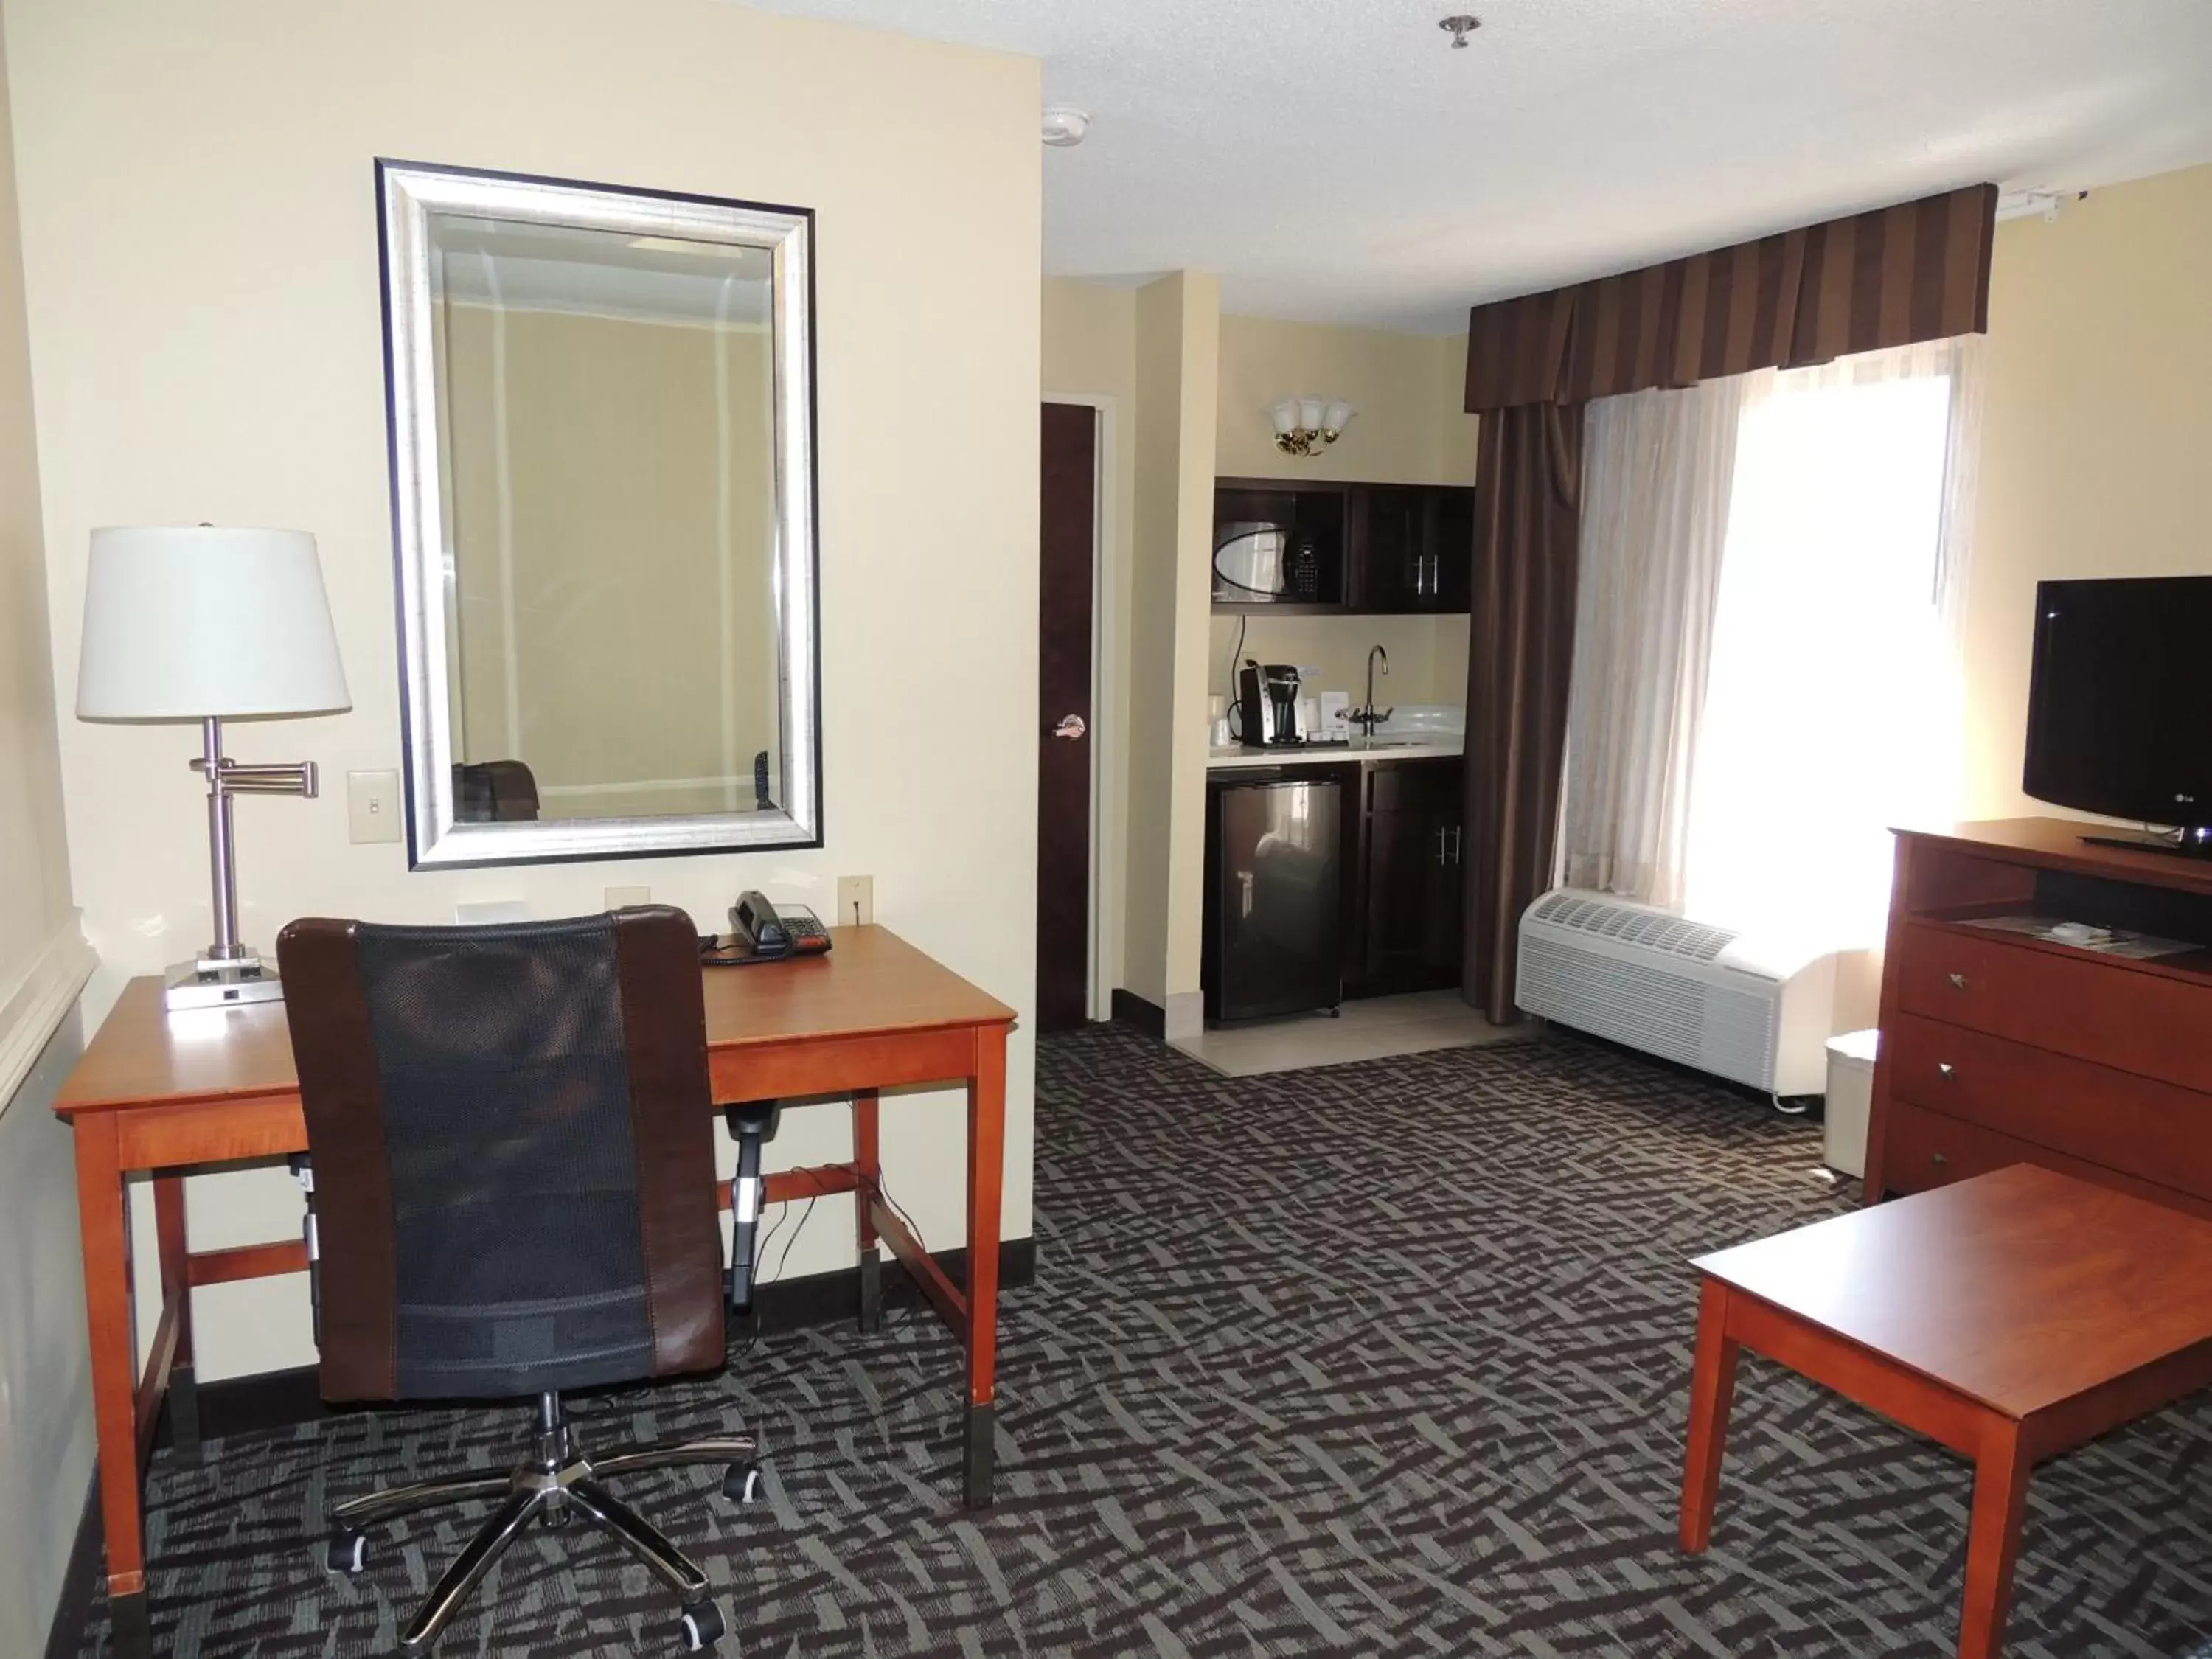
[80, 1579]
[1147, 1016]
[276, 1399]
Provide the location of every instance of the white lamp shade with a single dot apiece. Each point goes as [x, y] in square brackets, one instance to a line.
[1338, 417]
[1286, 415]
[1309, 413]
[181, 623]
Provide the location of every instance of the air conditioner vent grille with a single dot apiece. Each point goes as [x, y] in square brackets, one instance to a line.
[1654, 930]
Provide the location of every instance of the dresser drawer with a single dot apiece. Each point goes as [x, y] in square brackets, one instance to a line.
[2158, 1131]
[2080, 1005]
[1923, 1149]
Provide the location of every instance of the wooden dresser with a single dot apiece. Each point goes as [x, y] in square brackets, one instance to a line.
[1999, 1048]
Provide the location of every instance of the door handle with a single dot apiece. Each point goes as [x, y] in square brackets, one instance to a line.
[1958, 981]
[1071, 728]
[1937, 1158]
[1244, 896]
[1945, 1069]
[1456, 844]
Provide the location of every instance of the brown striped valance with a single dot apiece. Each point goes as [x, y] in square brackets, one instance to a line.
[1916, 272]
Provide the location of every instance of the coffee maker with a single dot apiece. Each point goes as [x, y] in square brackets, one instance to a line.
[1268, 704]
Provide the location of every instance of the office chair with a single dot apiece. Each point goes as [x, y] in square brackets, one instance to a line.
[513, 1195]
[495, 792]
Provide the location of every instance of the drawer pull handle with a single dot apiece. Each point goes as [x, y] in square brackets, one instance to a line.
[1958, 981]
[1944, 1068]
[1937, 1158]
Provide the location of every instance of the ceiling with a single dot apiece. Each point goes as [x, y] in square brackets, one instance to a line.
[1335, 161]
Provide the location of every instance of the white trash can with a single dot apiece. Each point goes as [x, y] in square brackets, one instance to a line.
[1851, 1097]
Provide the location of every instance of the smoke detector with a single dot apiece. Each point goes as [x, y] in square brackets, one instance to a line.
[1065, 126]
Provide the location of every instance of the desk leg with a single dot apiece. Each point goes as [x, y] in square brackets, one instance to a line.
[106, 1241]
[176, 1292]
[1993, 1542]
[1712, 1389]
[867, 1165]
[987, 1174]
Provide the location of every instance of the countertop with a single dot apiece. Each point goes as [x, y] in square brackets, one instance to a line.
[1439, 747]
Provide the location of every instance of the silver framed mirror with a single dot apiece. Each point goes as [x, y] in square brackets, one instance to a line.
[600, 406]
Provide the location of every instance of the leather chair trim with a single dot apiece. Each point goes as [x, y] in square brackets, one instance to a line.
[335, 1050]
[673, 1130]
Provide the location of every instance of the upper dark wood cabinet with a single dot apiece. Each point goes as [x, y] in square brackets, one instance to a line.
[1307, 564]
[1386, 550]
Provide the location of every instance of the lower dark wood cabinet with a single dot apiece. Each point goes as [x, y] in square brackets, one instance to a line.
[1405, 934]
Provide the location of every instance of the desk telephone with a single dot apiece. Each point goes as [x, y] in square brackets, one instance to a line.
[759, 932]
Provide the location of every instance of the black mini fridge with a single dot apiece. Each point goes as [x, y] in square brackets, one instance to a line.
[1273, 897]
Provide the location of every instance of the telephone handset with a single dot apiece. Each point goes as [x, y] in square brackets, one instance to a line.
[766, 933]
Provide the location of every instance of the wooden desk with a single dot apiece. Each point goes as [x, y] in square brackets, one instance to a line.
[2011, 1318]
[166, 1093]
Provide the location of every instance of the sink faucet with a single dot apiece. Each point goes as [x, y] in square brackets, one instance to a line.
[1366, 718]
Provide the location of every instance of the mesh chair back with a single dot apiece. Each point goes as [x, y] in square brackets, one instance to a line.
[513, 1153]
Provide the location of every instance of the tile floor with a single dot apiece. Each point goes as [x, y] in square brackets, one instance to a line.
[1371, 1028]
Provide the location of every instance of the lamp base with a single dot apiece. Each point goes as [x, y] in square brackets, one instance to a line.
[206, 984]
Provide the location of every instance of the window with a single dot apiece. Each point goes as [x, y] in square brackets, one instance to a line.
[1833, 709]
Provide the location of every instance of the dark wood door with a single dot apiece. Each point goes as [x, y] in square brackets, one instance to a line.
[1067, 518]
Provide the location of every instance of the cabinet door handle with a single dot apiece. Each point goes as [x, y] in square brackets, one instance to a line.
[1456, 844]
[1958, 981]
[1440, 845]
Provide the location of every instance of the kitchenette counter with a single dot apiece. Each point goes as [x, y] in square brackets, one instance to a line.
[1429, 746]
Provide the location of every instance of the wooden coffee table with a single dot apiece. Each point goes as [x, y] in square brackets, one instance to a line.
[2010, 1317]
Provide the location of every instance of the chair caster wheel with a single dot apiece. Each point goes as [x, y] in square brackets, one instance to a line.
[346, 1551]
[701, 1627]
[741, 1482]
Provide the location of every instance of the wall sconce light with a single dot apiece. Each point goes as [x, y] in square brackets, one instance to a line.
[1306, 426]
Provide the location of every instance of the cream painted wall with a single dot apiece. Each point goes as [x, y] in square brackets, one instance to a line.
[1178, 339]
[1406, 387]
[1410, 429]
[2097, 435]
[1089, 349]
[200, 257]
[46, 1388]
[1428, 654]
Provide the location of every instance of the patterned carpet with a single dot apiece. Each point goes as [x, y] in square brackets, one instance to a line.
[1388, 1359]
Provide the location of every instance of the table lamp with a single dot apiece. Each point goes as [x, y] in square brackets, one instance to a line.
[209, 624]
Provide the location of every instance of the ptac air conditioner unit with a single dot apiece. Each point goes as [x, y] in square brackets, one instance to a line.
[1755, 1012]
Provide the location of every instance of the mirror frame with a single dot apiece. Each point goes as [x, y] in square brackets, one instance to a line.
[408, 193]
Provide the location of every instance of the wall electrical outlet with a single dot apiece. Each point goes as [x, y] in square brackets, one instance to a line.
[372, 806]
[856, 901]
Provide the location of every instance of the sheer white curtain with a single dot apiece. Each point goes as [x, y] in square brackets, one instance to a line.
[1832, 708]
[1658, 468]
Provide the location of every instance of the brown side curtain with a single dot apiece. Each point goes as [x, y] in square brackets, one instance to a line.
[1528, 535]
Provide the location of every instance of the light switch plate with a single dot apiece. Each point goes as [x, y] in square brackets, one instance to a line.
[620, 898]
[372, 806]
[856, 901]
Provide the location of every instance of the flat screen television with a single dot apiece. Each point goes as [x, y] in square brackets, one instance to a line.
[2119, 703]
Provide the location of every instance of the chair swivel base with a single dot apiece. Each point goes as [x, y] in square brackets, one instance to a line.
[559, 1485]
